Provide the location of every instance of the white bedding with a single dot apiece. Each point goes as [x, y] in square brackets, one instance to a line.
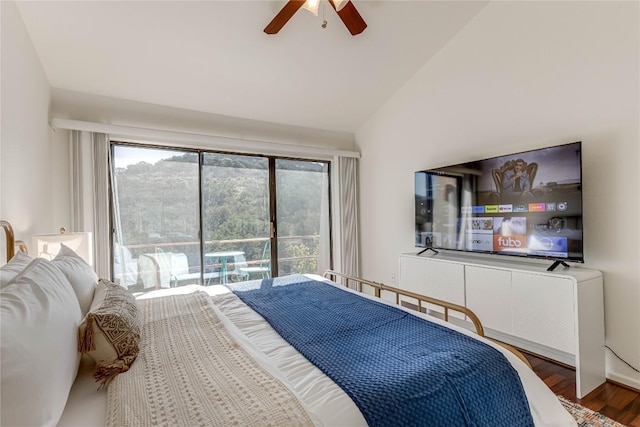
[327, 403]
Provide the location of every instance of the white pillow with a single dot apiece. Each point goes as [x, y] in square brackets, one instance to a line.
[39, 359]
[15, 265]
[82, 277]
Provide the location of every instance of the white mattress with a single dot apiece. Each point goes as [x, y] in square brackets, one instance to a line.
[326, 402]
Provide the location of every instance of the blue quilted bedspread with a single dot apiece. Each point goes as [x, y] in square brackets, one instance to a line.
[399, 369]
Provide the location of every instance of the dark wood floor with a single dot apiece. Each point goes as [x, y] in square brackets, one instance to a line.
[618, 403]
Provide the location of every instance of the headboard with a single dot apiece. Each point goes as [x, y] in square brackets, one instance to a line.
[10, 240]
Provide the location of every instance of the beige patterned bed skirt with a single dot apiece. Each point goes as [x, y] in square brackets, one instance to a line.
[191, 372]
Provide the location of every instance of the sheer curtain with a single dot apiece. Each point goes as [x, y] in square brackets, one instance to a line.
[324, 246]
[346, 216]
[90, 193]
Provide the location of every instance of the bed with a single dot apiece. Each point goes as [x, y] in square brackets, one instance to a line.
[251, 375]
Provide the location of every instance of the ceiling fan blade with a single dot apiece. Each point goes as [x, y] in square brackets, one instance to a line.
[351, 18]
[283, 16]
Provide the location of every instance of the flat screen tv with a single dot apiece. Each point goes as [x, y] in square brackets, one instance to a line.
[526, 204]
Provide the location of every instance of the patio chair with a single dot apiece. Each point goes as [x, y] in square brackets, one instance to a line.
[161, 269]
[263, 269]
[125, 266]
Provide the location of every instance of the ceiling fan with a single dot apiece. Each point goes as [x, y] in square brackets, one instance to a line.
[345, 9]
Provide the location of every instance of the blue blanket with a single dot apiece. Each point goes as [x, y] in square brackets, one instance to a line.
[397, 368]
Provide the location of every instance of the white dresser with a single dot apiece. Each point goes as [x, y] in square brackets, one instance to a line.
[558, 314]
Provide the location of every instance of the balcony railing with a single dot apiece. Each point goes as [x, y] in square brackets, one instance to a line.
[139, 249]
[186, 259]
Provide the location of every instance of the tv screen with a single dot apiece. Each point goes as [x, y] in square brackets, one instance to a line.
[525, 204]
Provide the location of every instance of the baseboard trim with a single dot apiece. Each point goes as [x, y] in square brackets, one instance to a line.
[533, 348]
[548, 359]
[624, 381]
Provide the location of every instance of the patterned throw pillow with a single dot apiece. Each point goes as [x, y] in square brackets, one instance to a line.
[110, 332]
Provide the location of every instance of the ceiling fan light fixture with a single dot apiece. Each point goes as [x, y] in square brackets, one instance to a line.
[346, 11]
[339, 4]
[312, 6]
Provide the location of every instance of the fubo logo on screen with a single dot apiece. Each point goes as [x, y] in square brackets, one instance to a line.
[510, 243]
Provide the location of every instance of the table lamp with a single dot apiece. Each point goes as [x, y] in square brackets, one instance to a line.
[48, 245]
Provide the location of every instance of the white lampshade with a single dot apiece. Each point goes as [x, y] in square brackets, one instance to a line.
[312, 6]
[48, 245]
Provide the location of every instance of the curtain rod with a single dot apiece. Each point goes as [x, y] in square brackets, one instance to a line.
[202, 140]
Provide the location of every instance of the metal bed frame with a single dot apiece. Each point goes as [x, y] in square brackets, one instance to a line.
[378, 288]
[10, 240]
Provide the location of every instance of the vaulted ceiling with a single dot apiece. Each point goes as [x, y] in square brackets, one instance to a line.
[213, 56]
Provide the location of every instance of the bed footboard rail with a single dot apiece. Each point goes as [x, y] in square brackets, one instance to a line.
[346, 280]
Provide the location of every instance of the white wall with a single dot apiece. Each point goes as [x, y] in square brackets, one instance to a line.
[522, 75]
[30, 168]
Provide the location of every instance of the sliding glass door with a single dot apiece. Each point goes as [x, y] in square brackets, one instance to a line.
[156, 207]
[236, 220]
[302, 210]
[182, 217]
